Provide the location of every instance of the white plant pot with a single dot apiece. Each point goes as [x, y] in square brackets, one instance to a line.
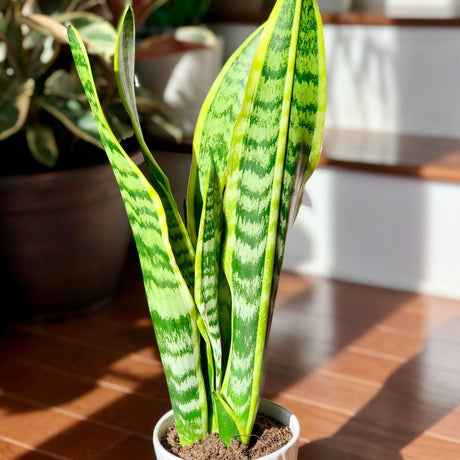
[182, 80]
[268, 408]
[334, 6]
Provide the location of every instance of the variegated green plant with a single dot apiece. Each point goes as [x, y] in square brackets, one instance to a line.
[44, 114]
[211, 284]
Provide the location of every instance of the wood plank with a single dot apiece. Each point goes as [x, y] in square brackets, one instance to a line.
[423, 157]
[104, 335]
[385, 342]
[56, 433]
[320, 390]
[129, 413]
[427, 448]
[371, 373]
[377, 17]
[361, 367]
[315, 422]
[447, 427]
[12, 451]
[433, 158]
[366, 17]
[130, 448]
[129, 373]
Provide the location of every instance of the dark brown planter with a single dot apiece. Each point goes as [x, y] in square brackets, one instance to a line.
[64, 238]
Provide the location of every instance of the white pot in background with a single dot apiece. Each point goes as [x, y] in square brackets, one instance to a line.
[435, 9]
[268, 408]
[182, 80]
[334, 6]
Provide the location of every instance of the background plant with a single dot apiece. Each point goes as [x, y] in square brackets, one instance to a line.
[43, 109]
[172, 26]
[177, 13]
[211, 285]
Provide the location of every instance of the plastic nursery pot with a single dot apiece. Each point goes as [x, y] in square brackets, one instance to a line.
[268, 408]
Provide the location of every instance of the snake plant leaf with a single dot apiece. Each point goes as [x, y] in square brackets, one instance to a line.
[174, 314]
[42, 144]
[124, 70]
[308, 110]
[229, 425]
[213, 132]
[207, 272]
[253, 195]
[15, 97]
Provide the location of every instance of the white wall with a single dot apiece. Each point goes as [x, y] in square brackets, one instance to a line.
[386, 78]
[394, 79]
[379, 229]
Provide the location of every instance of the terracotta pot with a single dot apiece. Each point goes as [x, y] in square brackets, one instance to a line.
[268, 408]
[64, 237]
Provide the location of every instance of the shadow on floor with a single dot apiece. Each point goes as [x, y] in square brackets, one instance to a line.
[315, 320]
[417, 396]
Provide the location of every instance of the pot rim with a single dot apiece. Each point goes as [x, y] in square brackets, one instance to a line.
[267, 407]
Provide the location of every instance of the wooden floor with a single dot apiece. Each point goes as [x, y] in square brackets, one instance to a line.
[371, 373]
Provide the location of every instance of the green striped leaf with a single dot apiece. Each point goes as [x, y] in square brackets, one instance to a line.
[308, 108]
[253, 198]
[174, 314]
[214, 128]
[207, 281]
[229, 424]
[207, 271]
[124, 71]
[257, 141]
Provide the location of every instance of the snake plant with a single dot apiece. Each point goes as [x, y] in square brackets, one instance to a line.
[211, 282]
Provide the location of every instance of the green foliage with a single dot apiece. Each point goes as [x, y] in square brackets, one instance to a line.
[211, 288]
[177, 13]
[42, 102]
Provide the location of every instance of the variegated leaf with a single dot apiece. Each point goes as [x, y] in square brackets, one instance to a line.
[308, 110]
[124, 69]
[253, 195]
[207, 272]
[172, 308]
[74, 115]
[214, 128]
[98, 34]
[42, 144]
[15, 97]
[64, 84]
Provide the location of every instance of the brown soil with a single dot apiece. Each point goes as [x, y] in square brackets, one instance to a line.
[267, 437]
